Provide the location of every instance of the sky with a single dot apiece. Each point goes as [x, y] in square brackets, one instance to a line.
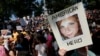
[13, 17]
[38, 1]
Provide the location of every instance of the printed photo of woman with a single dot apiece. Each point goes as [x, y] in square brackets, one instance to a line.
[69, 27]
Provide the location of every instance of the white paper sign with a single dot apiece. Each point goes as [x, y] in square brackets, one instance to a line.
[19, 28]
[70, 27]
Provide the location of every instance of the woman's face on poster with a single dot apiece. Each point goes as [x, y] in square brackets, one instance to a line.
[69, 27]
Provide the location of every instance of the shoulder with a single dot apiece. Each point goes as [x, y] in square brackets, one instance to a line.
[90, 53]
[37, 47]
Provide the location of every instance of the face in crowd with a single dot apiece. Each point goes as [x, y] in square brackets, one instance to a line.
[69, 27]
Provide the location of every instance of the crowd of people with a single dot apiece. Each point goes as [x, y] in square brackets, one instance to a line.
[93, 17]
[35, 41]
[39, 40]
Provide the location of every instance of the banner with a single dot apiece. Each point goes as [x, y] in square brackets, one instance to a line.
[70, 27]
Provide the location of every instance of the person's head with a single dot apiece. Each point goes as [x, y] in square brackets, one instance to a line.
[69, 27]
[14, 31]
[40, 38]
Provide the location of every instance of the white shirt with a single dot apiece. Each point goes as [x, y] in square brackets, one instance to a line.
[41, 48]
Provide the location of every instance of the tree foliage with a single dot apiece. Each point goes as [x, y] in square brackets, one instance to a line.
[93, 4]
[57, 5]
[19, 7]
[25, 7]
[38, 8]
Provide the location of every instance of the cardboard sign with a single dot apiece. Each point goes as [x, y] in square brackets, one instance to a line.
[70, 27]
[4, 31]
[19, 28]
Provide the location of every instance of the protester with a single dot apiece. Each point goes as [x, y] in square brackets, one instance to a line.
[40, 25]
[22, 45]
[12, 51]
[41, 48]
[14, 35]
[2, 48]
[78, 52]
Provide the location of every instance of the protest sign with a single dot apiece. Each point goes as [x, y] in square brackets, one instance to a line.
[70, 27]
[19, 27]
[4, 31]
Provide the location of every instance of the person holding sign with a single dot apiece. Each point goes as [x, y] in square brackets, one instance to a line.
[2, 48]
[69, 27]
[78, 52]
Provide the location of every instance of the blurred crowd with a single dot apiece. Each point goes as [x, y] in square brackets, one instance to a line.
[37, 39]
[93, 17]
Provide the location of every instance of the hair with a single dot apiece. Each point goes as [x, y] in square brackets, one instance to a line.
[41, 38]
[20, 38]
[1, 40]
